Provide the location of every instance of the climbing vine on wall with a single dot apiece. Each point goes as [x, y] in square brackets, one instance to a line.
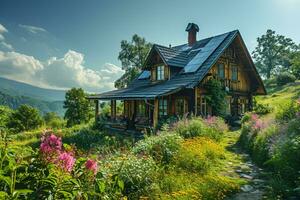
[215, 97]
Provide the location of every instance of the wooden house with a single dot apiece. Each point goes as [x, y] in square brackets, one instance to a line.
[172, 80]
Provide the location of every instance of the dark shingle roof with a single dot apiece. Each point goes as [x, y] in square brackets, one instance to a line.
[171, 56]
[178, 56]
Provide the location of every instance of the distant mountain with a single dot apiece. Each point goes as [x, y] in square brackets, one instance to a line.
[13, 94]
[43, 106]
[16, 88]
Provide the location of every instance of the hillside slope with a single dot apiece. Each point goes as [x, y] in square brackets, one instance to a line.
[15, 88]
[43, 106]
[278, 96]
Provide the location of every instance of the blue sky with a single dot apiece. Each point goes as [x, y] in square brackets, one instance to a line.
[84, 36]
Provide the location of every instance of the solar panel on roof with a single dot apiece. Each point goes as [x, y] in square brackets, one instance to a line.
[144, 75]
[204, 53]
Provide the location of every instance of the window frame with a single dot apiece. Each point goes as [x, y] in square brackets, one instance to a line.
[162, 107]
[180, 106]
[218, 70]
[141, 109]
[232, 67]
[160, 73]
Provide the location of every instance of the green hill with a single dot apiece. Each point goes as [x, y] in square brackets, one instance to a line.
[44, 106]
[278, 96]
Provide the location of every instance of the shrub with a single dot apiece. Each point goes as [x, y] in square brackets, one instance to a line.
[264, 145]
[53, 120]
[162, 148]
[25, 118]
[284, 78]
[262, 109]
[5, 114]
[287, 111]
[138, 173]
[212, 128]
[198, 154]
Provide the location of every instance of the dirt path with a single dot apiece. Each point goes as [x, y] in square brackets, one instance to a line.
[241, 166]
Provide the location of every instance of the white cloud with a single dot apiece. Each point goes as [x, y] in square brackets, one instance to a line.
[65, 72]
[6, 46]
[32, 29]
[3, 43]
[2, 29]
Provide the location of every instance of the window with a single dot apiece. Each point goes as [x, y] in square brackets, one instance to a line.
[163, 107]
[221, 71]
[141, 108]
[234, 73]
[160, 72]
[179, 106]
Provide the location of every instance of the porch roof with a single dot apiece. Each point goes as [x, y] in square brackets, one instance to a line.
[144, 89]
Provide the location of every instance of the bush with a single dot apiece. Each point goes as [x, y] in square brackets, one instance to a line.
[264, 145]
[53, 120]
[138, 173]
[25, 118]
[262, 109]
[5, 114]
[198, 154]
[287, 111]
[284, 78]
[161, 148]
[212, 128]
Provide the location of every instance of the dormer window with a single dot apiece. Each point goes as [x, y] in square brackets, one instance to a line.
[160, 72]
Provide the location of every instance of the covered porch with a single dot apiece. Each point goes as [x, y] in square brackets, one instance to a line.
[144, 111]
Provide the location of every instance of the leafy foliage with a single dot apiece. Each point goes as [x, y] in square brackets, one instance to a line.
[5, 114]
[53, 120]
[161, 148]
[295, 67]
[273, 50]
[25, 118]
[132, 56]
[262, 109]
[284, 78]
[78, 108]
[215, 97]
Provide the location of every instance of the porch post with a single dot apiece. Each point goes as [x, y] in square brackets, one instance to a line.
[250, 102]
[195, 104]
[96, 110]
[155, 113]
[113, 109]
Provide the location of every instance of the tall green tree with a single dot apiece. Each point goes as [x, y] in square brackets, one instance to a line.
[132, 56]
[295, 64]
[25, 118]
[78, 108]
[272, 52]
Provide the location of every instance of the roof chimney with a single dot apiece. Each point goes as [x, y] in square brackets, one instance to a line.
[192, 29]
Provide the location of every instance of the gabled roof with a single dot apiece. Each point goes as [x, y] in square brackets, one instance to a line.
[195, 62]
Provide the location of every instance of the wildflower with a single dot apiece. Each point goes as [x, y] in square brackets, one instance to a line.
[210, 120]
[254, 117]
[91, 165]
[50, 147]
[66, 161]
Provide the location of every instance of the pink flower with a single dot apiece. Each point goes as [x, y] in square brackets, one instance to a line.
[50, 147]
[91, 165]
[66, 161]
[254, 117]
[210, 120]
